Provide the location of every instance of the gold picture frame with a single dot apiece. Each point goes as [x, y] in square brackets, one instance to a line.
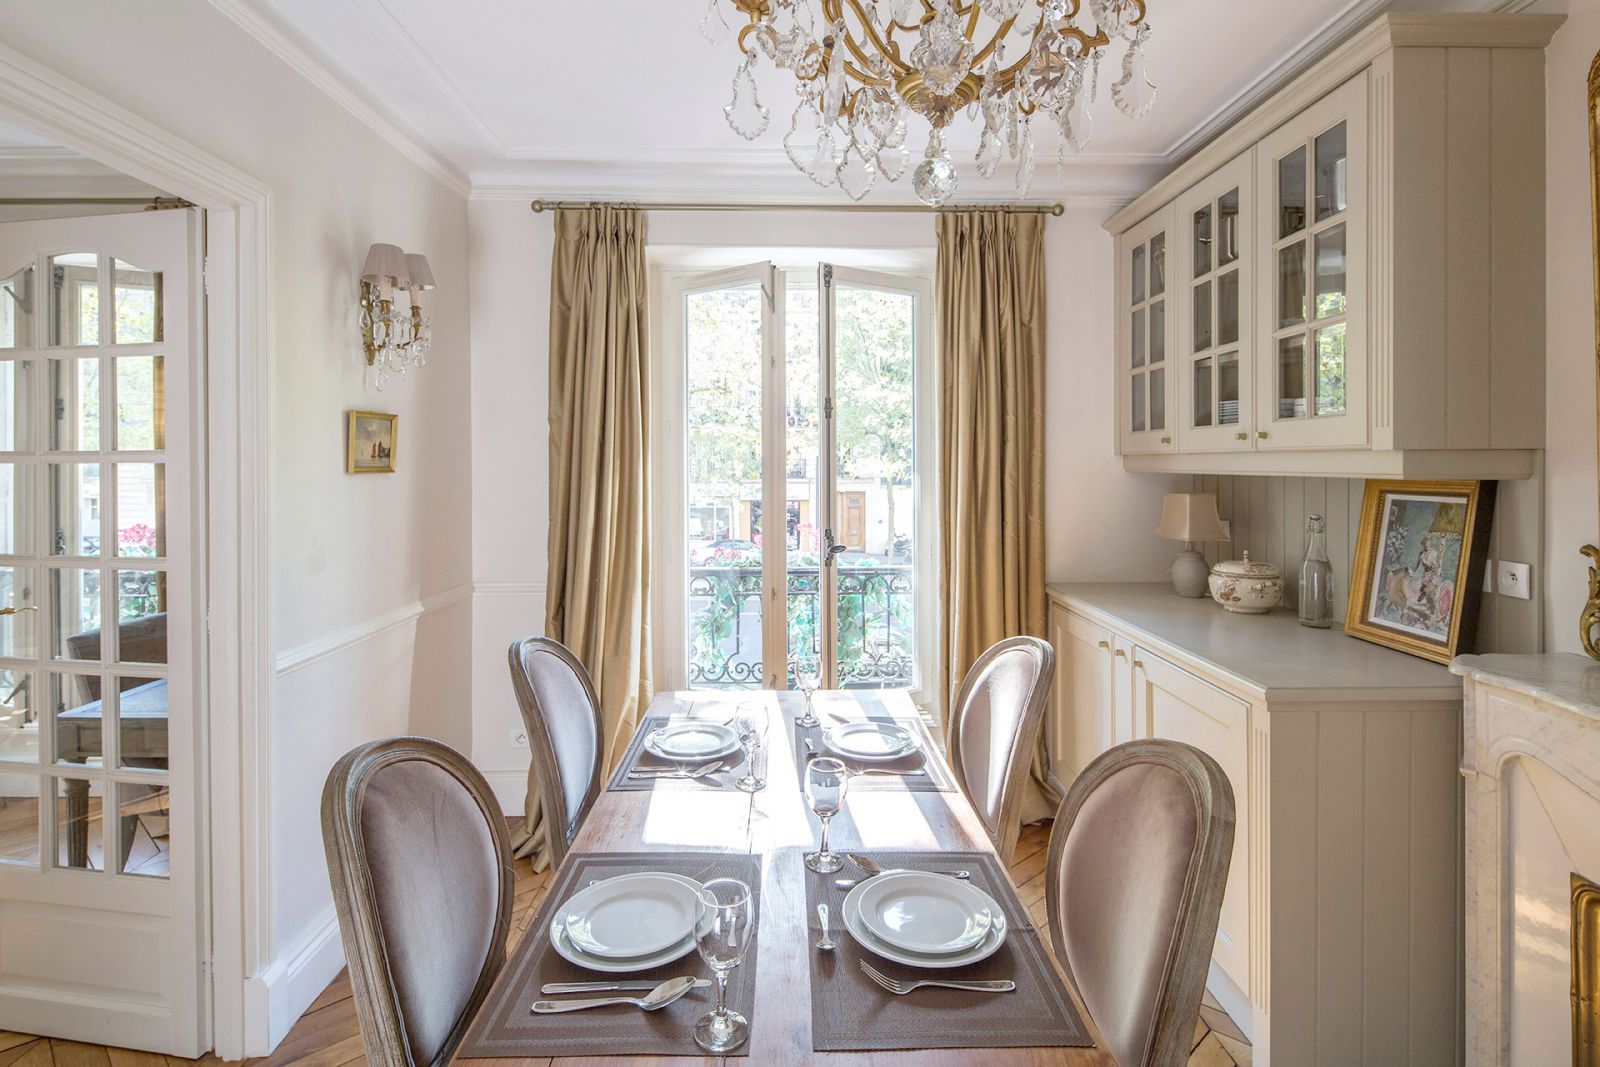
[370, 442]
[1418, 574]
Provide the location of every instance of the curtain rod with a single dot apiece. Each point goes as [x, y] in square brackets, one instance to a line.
[1021, 209]
[151, 203]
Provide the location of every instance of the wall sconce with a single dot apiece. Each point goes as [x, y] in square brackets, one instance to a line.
[393, 340]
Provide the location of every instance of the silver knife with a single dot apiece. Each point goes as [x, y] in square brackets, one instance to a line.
[551, 988]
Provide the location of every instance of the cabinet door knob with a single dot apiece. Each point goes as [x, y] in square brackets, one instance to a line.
[1261, 433]
[1104, 645]
[1241, 436]
[1166, 440]
[1119, 653]
[1138, 664]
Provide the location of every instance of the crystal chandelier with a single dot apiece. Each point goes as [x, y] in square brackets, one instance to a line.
[861, 65]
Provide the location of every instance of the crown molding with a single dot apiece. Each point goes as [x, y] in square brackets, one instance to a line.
[386, 125]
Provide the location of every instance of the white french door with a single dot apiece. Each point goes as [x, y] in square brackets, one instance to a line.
[101, 928]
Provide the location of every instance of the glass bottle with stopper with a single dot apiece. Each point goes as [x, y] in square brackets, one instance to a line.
[1316, 577]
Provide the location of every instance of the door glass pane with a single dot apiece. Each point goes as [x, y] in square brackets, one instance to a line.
[16, 405]
[19, 630]
[1331, 296]
[138, 297]
[142, 722]
[1136, 337]
[1158, 399]
[1202, 316]
[1292, 377]
[1292, 285]
[1138, 291]
[1202, 241]
[141, 508]
[80, 839]
[141, 403]
[1292, 193]
[19, 817]
[16, 509]
[723, 351]
[19, 735]
[74, 405]
[1202, 392]
[1158, 331]
[143, 845]
[75, 602]
[1332, 173]
[1228, 308]
[75, 509]
[141, 616]
[1330, 370]
[874, 513]
[16, 310]
[803, 480]
[1138, 404]
[75, 299]
[1228, 389]
[1158, 264]
[1227, 227]
[79, 718]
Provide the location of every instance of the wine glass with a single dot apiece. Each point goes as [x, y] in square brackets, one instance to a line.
[751, 722]
[827, 779]
[808, 676]
[724, 932]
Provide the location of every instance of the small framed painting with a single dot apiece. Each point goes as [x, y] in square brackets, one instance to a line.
[1419, 566]
[370, 449]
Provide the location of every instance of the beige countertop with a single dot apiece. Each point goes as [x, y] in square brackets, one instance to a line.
[1269, 656]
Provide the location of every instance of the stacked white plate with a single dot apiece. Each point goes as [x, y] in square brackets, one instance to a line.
[924, 920]
[629, 923]
[692, 740]
[872, 741]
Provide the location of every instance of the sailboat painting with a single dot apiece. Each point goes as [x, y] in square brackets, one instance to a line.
[370, 449]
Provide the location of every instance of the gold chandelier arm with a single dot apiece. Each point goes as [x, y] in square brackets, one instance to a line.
[833, 10]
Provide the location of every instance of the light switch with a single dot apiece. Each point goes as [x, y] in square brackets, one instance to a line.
[1513, 579]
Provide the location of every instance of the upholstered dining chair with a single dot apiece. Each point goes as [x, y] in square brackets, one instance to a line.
[994, 727]
[1137, 864]
[562, 715]
[421, 868]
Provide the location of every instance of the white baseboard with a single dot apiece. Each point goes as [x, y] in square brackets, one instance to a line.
[1233, 1000]
[510, 789]
[277, 997]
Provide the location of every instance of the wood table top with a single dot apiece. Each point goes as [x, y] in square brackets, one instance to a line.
[777, 824]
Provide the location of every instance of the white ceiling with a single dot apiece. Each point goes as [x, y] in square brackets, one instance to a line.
[588, 97]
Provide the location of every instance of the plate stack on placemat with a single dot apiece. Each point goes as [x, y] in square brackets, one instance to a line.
[890, 753]
[695, 751]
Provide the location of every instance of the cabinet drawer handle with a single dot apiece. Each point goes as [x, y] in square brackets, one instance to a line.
[1241, 437]
[1138, 664]
[1166, 440]
[1104, 645]
[1261, 433]
[1119, 653]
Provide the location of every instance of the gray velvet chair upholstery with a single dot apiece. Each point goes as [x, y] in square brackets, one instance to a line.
[994, 727]
[565, 735]
[1137, 865]
[421, 870]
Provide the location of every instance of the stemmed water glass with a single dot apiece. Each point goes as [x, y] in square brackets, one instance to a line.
[751, 721]
[827, 779]
[808, 676]
[724, 932]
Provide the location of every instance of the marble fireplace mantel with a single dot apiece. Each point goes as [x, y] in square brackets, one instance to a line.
[1531, 760]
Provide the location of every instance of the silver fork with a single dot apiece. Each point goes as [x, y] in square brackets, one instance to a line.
[900, 989]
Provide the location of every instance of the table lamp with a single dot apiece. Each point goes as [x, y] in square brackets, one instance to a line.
[1190, 517]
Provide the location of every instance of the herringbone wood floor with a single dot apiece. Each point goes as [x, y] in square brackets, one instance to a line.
[328, 1035]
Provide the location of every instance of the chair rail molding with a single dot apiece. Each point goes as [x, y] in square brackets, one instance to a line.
[341, 640]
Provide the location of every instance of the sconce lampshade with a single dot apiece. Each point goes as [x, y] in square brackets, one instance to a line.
[418, 272]
[1190, 517]
[386, 265]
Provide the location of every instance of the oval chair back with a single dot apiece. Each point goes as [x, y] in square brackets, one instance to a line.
[565, 736]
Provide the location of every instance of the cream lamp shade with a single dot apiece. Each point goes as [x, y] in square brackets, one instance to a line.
[1190, 517]
[386, 265]
[419, 273]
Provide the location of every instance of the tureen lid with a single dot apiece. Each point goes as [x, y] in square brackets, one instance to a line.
[1246, 568]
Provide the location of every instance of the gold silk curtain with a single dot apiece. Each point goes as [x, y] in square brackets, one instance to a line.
[598, 588]
[991, 306]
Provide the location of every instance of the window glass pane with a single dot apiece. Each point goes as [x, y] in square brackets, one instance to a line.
[1292, 285]
[1292, 193]
[19, 630]
[79, 717]
[143, 817]
[1332, 173]
[1202, 392]
[75, 299]
[138, 297]
[16, 310]
[1202, 316]
[75, 405]
[1228, 389]
[1158, 331]
[1136, 338]
[1158, 399]
[75, 599]
[1228, 308]
[1138, 291]
[1330, 370]
[19, 817]
[1158, 264]
[75, 509]
[1331, 296]
[1202, 241]
[803, 506]
[80, 841]
[1292, 377]
[1228, 227]
[141, 403]
[142, 616]
[1138, 403]
[16, 405]
[141, 508]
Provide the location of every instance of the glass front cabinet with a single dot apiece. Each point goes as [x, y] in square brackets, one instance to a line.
[1146, 331]
[1215, 297]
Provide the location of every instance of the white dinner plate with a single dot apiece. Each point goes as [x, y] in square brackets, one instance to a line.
[869, 941]
[872, 741]
[575, 955]
[692, 740]
[631, 915]
[929, 914]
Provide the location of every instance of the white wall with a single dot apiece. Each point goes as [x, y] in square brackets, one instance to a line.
[352, 557]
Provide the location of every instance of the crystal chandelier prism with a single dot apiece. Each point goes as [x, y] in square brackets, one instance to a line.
[863, 66]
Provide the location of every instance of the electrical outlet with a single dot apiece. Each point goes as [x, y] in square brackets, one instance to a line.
[519, 739]
[1488, 576]
[1513, 579]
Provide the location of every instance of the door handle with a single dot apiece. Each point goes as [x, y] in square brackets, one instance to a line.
[831, 549]
[14, 611]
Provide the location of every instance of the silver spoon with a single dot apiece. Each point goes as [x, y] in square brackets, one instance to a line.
[824, 943]
[657, 998]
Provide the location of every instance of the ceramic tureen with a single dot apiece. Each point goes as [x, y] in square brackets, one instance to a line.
[1246, 587]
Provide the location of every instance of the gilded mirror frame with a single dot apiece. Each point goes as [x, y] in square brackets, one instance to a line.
[1589, 622]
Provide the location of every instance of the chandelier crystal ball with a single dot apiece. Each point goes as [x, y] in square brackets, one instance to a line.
[863, 66]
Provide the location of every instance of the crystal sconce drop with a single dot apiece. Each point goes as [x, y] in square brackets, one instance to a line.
[394, 340]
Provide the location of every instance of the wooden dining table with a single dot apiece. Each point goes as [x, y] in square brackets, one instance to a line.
[777, 824]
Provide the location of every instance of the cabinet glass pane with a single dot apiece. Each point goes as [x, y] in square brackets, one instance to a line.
[137, 293]
[16, 405]
[1138, 403]
[1333, 166]
[141, 402]
[18, 632]
[1202, 392]
[1332, 299]
[75, 600]
[1292, 377]
[1228, 308]
[1158, 331]
[1158, 399]
[75, 509]
[1202, 241]
[1136, 336]
[143, 818]
[16, 509]
[16, 310]
[1228, 227]
[1330, 370]
[1292, 193]
[1158, 264]
[1138, 289]
[1202, 317]
[1228, 389]
[75, 299]
[1292, 285]
[74, 405]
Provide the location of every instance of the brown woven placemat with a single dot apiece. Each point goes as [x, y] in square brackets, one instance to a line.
[935, 776]
[506, 1025]
[851, 1013]
[637, 758]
